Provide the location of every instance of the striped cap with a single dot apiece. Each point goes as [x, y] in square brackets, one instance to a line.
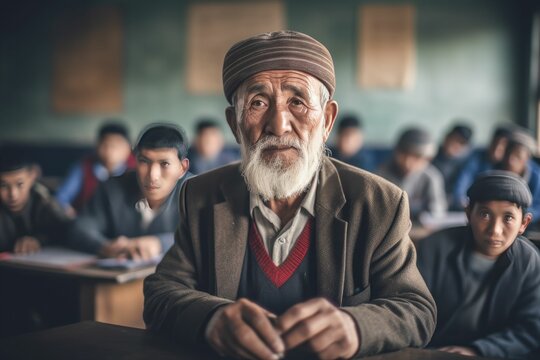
[281, 50]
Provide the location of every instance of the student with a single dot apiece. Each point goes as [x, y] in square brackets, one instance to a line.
[29, 216]
[518, 159]
[136, 214]
[451, 157]
[112, 158]
[350, 144]
[479, 162]
[485, 276]
[410, 169]
[289, 234]
[208, 151]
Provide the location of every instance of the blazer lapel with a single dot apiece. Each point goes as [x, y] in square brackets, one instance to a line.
[330, 236]
[231, 224]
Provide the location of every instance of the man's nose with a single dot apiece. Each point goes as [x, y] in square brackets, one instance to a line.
[496, 227]
[155, 172]
[278, 122]
[13, 194]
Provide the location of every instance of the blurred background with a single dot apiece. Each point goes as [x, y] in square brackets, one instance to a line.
[65, 66]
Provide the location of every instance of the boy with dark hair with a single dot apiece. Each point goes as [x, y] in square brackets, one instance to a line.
[451, 157]
[484, 276]
[410, 168]
[518, 159]
[29, 216]
[136, 214]
[479, 162]
[350, 143]
[112, 158]
[208, 150]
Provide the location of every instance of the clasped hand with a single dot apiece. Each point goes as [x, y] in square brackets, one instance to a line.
[139, 248]
[246, 330]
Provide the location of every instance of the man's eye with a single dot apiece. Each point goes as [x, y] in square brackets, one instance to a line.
[165, 164]
[508, 218]
[297, 102]
[257, 103]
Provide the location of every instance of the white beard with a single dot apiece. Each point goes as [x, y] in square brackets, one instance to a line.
[276, 178]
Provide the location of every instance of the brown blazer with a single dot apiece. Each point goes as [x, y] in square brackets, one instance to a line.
[366, 263]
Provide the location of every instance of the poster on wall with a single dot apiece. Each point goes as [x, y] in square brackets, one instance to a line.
[213, 28]
[386, 47]
[87, 61]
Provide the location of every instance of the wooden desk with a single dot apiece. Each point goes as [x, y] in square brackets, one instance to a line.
[110, 296]
[92, 340]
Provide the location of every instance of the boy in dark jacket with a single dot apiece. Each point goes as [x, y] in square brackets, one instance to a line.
[29, 215]
[484, 276]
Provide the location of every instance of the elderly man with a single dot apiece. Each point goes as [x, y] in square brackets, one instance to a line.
[290, 250]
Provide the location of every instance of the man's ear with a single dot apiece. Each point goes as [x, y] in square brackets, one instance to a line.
[230, 114]
[527, 218]
[330, 114]
[35, 172]
[184, 163]
[468, 213]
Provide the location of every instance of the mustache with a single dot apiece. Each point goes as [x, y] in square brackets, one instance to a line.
[274, 141]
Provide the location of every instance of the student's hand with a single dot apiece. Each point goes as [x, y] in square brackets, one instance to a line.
[244, 330]
[462, 350]
[115, 248]
[321, 328]
[144, 247]
[26, 245]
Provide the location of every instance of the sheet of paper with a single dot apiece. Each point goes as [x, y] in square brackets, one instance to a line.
[54, 257]
[214, 27]
[126, 264]
[451, 219]
[87, 61]
[386, 49]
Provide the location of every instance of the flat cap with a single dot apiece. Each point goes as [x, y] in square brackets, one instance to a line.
[500, 185]
[281, 50]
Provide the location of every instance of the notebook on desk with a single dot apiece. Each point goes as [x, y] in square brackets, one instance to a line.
[63, 258]
[126, 264]
[51, 256]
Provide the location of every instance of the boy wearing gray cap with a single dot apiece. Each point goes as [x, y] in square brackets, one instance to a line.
[410, 169]
[484, 276]
[135, 214]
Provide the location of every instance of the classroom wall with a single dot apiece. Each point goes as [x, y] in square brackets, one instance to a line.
[470, 61]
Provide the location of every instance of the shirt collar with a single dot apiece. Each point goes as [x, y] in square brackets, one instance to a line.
[308, 203]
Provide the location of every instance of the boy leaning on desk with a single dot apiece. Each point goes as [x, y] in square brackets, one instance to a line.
[29, 215]
[135, 215]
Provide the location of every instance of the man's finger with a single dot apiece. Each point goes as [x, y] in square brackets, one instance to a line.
[300, 312]
[260, 322]
[307, 329]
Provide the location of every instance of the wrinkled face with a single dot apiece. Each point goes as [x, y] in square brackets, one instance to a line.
[495, 225]
[497, 148]
[15, 188]
[113, 150]
[516, 159]
[454, 145]
[349, 141]
[282, 124]
[410, 162]
[158, 170]
[209, 142]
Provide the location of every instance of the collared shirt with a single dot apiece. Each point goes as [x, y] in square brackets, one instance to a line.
[147, 214]
[278, 238]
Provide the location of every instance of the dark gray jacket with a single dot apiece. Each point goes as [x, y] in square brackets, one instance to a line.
[111, 213]
[510, 323]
